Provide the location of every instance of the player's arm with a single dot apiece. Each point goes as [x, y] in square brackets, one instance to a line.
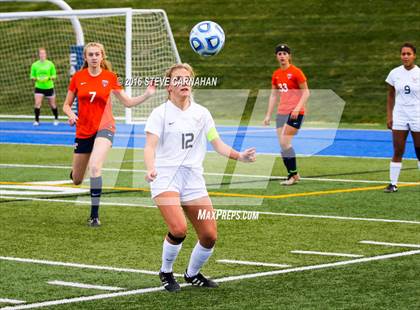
[33, 73]
[225, 150]
[390, 102]
[149, 156]
[129, 102]
[68, 102]
[303, 87]
[274, 98]
[53, 72]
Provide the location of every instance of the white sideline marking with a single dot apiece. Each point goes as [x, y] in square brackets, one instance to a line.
[344, 218]
[322, 266]
[58, 182]
[83, 266]
[325, 253]
[225, 279]
[11, 301]
[11, 189]
[243, 262]
[404, 245]
[205, 173]
[88, 286]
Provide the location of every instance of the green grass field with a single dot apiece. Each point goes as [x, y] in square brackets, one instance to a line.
[339, 203]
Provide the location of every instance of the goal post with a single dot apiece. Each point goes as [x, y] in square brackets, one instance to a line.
[139, 44]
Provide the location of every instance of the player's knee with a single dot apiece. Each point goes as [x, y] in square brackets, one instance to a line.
[77, 181]
[178, 231]
[95, 170]
[208, 239]
[177, 236]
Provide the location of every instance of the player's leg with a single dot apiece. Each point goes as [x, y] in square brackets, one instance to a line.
[100, 150]
[53, 105]
[173, 215]
[206, 230]
[37, 106]
[288, 154]
[416, 140]
[80, 162]
[399, 138]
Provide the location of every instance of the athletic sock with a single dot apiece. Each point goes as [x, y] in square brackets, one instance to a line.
[55, 112]
[37, 113]
[199, 256]
[169, 255]
[95, 195]
[394, 172]
[289, 160]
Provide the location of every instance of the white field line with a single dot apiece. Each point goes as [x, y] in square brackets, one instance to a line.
[315, 267]
[403, 245]
[11, 189]
[64, 133]
[11, 301]
[58, 182]
[344, 218]
[206, 173]
[82, 266]
[325, 253]
[243, 262]
[87, 286]
[225, 279]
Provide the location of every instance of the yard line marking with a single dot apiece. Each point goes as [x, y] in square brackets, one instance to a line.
[207, 173]
[404, 245]
[87, 286]
[76, 265]
[38, 189]
[58, 182]
[225, 279]
[325, 253]
[11, 301]
[334, 217]
[222, 194]
[315, 267]
[243, 262]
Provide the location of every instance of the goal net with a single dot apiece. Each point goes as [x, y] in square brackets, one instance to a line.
[138, 43]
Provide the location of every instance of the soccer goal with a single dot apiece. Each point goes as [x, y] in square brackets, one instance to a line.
[139, 44]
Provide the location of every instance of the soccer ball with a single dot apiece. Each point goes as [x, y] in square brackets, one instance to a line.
[207, 38]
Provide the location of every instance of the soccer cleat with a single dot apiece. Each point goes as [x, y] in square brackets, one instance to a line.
[291, 180]
[169, 282]
[200, 280]
[94, 222]
[55, 123]
[391, 188]
[35, 123]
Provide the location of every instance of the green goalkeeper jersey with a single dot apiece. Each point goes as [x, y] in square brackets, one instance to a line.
[43, 72]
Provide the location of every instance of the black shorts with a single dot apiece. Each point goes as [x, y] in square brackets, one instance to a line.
[282, 119]
[46, 92]
[85, 145]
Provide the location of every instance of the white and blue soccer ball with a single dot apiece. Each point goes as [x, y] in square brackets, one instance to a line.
[207, 38]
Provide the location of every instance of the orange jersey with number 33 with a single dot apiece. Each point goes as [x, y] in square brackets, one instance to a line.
[94, 101]
[287, 83]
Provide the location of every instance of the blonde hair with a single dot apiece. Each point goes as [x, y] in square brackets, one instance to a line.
[171, 69]
[105, 64]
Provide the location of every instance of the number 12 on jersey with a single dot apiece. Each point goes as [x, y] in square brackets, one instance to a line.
[187, 140]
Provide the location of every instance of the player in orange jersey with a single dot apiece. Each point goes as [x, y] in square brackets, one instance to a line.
[289, 90]
[95, 124]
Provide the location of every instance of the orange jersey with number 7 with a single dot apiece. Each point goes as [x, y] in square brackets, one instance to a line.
[287, 83]
[94, 101]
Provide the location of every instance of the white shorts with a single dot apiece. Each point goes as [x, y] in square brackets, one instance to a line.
[188, 182]
[407, 119]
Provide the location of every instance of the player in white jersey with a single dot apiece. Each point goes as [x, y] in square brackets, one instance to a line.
[176, 141]
[403, 110]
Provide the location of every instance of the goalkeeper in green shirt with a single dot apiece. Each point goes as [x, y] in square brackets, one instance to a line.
[43, 73]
